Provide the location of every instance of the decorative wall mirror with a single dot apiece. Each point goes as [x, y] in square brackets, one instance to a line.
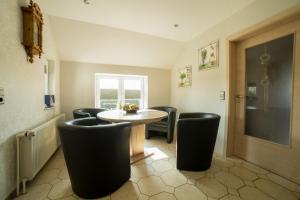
[32, 30]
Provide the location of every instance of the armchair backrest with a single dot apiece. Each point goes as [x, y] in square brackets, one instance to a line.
[86, 112]
[171, 119]
[199, 125]
[196, 138]
[170, 110]
[87, 134]
[97, 156]
[197, 115]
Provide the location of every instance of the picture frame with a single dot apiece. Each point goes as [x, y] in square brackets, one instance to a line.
[208, 56]
[185, 76]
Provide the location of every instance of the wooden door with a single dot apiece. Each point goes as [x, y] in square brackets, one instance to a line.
[282, 156]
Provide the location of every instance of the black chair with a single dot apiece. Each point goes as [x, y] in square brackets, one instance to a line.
[196, 137]
[165, 126]
[86, 112]
[97, 156]
[89, 112]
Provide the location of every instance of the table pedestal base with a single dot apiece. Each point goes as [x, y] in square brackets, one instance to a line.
[139, 157]
[137, 140]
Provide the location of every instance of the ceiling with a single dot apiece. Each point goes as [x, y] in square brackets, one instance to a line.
[152, 17]
[90, 43]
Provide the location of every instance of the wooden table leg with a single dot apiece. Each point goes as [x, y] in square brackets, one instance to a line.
[137, 140]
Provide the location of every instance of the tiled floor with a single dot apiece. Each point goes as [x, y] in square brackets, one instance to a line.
[156, 178]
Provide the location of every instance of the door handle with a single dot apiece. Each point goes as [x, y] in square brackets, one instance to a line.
[238, 98]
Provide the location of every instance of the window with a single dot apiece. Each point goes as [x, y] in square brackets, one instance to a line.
[49, 84]
[112, 90]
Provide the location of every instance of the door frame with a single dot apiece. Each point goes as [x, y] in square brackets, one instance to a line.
[231, 43]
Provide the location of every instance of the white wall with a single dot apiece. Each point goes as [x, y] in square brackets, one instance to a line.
[24, 88]
[78, 84]
[203, 96]
[92, 43]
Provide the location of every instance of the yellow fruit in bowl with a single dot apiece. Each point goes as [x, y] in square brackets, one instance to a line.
[130, 108]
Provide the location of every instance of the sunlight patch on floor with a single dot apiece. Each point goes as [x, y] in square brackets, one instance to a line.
[158, 154]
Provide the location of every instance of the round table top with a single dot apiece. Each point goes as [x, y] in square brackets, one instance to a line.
[141, 117]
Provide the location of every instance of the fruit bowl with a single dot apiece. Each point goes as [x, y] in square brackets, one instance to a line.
[130, 108]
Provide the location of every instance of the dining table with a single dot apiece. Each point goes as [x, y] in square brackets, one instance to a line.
[139, 121]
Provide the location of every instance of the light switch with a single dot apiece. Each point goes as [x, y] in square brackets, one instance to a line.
[222, 95]
[2, 100]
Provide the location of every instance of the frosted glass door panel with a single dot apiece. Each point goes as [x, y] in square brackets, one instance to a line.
[269, 69]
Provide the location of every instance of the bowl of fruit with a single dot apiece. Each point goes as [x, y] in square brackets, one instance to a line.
[130, 108]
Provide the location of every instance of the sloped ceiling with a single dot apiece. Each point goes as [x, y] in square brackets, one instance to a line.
[153, 17]
[85, 42]
[132, 32]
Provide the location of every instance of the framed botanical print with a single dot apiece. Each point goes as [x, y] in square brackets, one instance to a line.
[185, 76]
[208, 56]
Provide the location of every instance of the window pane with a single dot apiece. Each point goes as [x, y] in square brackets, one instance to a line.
[108, 94]
[133, 91]
[113, 90]
[132, 94]
[106, 83]
[133, 101]
[132, 84]
[108, 98]
[109, 104]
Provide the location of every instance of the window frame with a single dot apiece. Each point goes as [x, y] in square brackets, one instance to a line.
[121, 88]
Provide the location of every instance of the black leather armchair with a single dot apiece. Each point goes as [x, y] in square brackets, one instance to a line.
[196, 137]
[165, 126]
[97, 156]
[89, 112]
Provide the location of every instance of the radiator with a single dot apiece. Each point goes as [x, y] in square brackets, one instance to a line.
[34, 148]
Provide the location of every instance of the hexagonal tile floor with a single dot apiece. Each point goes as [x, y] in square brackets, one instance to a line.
[157, 178]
